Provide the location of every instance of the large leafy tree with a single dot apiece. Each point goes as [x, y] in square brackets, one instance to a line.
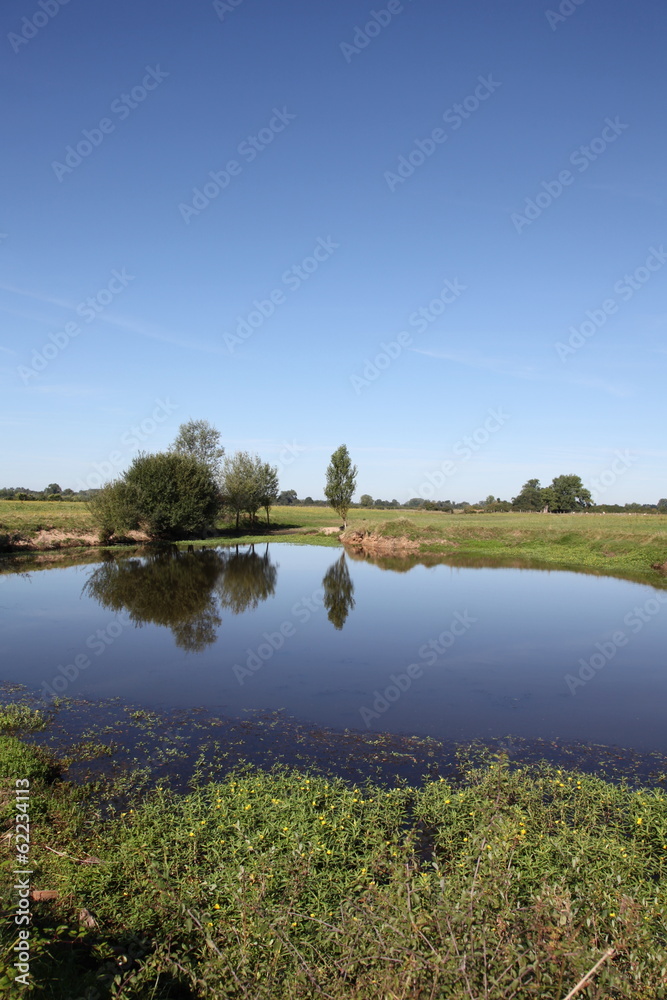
[531, 496]
[567, 494]
[341, 482]
[366, 500]
[200, 440]
[168, 495]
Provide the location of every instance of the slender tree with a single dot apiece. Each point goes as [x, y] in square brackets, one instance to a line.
[341, 482]
[201, 440]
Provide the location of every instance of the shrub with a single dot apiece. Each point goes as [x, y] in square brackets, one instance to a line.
[167, 495]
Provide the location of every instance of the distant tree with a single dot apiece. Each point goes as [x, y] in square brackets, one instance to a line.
[52, 488]
[662, 505]
[567, 494]
[68, 493]
[308, 502]
[286, 498]
[530, 497]
[366, 500]
[341, 482]
[415, 502]
[201, 440]
[268, 486]
[21, 496]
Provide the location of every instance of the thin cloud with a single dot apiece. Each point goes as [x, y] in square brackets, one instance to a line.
[130, 325]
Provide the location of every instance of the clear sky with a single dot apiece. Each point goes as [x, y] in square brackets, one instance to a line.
[469, 184]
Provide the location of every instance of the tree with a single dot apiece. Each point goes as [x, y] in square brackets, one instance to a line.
[567, 494]
[366, 500]
[236, 484]
[200, 440]
[168, 495]
[268, 486]
[530, 497]
[662, 506]
[341, 482]
[286, 498]
[52, 488]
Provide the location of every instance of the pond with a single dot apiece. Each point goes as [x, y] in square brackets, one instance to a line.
[454, 653]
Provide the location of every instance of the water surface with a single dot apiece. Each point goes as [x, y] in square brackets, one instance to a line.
[449, 652]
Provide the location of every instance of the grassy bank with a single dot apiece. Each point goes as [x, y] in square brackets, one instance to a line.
[507, 884]
[625, 545]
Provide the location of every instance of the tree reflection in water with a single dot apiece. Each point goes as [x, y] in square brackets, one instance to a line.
[338, 592]
[184, 591]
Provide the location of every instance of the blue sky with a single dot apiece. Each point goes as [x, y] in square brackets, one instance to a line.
[540, 200]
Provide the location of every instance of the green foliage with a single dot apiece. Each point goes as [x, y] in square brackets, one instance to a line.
[341, 482]
[530, 498]
[366, 500]
[168, 495]
[200, 440]
[567, 493]
[284, 886]
[19, 760]
[16, 715]
[247, 484]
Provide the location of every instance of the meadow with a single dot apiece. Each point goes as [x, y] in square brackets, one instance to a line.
[633, 546]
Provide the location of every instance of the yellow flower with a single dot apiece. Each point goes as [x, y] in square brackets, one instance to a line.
[639, 821]
[216, 906]
[247, 807]
[612, 914]
[447, 801]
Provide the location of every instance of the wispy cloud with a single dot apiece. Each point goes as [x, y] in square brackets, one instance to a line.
[126, 323]
[527, 372]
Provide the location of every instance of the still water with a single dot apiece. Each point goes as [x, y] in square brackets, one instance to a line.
[449, 652]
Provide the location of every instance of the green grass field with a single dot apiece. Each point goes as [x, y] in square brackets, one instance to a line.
[625, 545]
